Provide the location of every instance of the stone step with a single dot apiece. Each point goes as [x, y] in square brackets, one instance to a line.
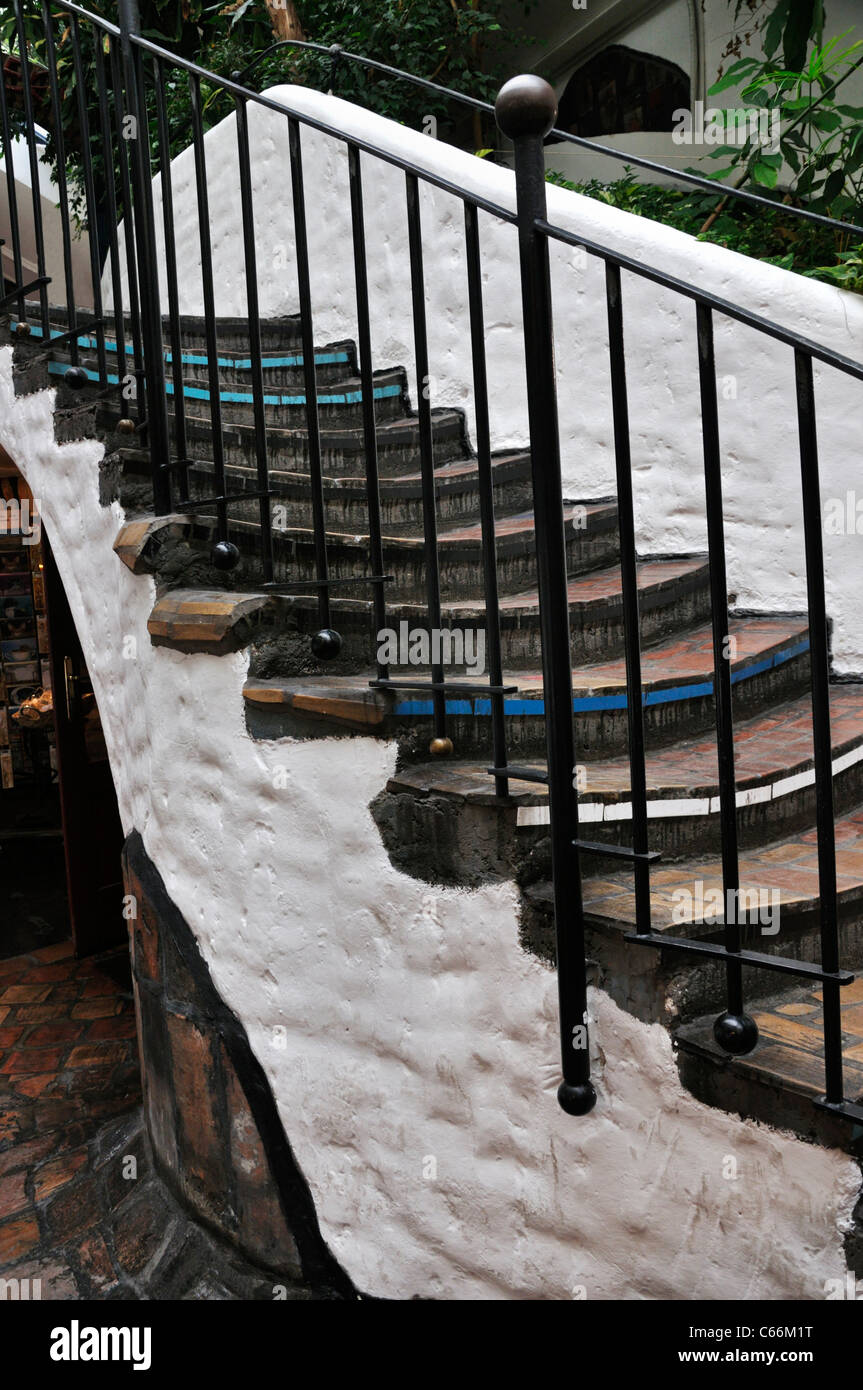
[286, 368]
[459, 554]
[232, 333]
[686, 901]
[783, 1078]
[456, 489]
[771, 666]
[673, 594]
[218, 621]
[774, 773]
[339, 401]
[332, 362]
[342, 448]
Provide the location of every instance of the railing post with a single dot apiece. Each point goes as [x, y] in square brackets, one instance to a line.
[526, 109]
[158, 430]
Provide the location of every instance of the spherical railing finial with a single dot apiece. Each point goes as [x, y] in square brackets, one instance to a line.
[526, 105]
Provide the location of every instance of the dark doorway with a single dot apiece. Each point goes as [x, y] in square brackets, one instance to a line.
[621, 90]
[92, 832]
[60, 832]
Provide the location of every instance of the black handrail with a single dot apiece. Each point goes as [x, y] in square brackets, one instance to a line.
[722, 190]
[525, 111]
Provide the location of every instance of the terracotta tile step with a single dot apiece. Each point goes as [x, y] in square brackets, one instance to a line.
[680, 665]
[784, 1074]
[788, 869]
[673, 593]
[340, 701]
[276, 333]
[337, 400]
[773, 758]
[518, 527]
[513, 533]
[678, 684]
[449, 477]
[233, 364]
[284, 401]
[347, 439]
[346, 500]
[342, 447]
[219, 620]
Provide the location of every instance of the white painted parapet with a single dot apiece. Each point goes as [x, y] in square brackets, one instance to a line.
[410, 1042]
[756, 375]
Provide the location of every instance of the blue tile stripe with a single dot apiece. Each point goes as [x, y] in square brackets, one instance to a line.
[593, 704]
[195, 359]
[199, 393]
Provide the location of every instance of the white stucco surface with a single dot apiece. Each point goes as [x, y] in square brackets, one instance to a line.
[399, 1025]
[756, 375]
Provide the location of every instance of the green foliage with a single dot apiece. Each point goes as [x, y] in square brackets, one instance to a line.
[189, 29]
[820, 144]
[442, 40]
[820, 138]
[766, 236]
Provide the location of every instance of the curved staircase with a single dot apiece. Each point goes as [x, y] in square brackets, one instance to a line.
[442, 819]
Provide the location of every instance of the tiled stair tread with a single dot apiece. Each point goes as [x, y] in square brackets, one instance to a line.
[760, 641]
[271, 359]
[328, 355]
[790, 867]
[332, 698]
[520, 525]
[464, 468]
[596, 589]
[523, 522]
[688, 657]
[345, 391]
[333, 354]
[770, 749]
[453, 474]
[767, 748]
[791, 1042]
[403, 427]
[347, 438]
[680, 666]
[59, 314]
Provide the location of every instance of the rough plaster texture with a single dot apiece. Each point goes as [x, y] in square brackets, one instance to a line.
[410, 1043]
[756, 375]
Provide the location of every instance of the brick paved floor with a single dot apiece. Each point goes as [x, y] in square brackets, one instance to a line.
[68, 1063]
[81, 1208]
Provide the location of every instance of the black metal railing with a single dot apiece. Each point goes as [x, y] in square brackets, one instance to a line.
[131, 75]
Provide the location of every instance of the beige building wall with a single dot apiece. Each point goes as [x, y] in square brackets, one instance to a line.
[693, 34]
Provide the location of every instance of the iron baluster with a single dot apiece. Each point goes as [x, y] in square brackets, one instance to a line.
[525, 110]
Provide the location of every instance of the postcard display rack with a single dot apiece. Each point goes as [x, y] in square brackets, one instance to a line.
[25, 663]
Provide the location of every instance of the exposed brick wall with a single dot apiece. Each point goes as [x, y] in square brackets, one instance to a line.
[213, 1124]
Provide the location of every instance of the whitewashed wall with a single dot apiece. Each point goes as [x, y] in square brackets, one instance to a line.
[759, 435]
[410, 1043]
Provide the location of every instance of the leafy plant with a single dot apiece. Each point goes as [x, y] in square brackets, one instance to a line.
[820, 140]
[772, 237]
[442, 40]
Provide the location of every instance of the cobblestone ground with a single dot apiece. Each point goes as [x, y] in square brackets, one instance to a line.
[81, 1208]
